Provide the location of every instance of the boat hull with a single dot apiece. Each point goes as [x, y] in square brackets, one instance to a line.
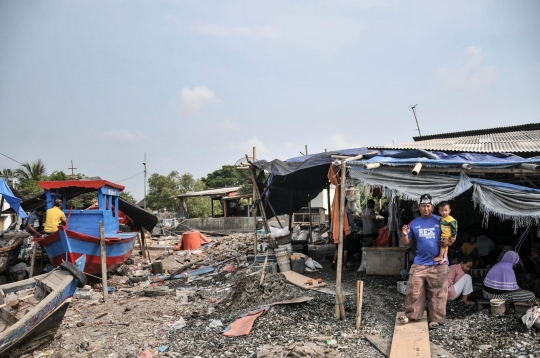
[67, 245]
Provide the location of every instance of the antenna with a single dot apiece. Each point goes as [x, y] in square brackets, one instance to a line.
[72, 170]
[144, 199]
[412, 108]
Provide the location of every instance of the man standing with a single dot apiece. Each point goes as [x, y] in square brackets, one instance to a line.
[33, 225]
[54, 217]
[426, 276]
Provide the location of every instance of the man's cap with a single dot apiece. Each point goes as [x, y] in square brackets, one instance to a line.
[58, 202]
[425, 199]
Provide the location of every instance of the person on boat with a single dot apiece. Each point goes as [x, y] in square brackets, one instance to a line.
[427, 278]
[500, 281]
[33, 223]
[54, 217]
[459, 281]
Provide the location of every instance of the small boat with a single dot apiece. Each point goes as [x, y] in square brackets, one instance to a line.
[31, 310]
[81, 234]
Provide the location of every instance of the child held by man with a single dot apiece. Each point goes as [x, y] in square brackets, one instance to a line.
[448, 232]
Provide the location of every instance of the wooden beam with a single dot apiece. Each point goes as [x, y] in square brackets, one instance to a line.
[103, 254]
[411, 339]
[340, 308]
[359, 298]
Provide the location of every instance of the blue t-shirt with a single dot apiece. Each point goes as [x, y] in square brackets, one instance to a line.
[427, 233]
[32, 219]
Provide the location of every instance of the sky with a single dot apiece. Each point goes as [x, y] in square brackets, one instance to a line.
[196, 84]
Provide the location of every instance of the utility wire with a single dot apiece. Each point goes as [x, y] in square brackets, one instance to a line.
[16, 161]
[118, 181]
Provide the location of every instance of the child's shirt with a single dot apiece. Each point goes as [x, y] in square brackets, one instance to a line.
[448, 227]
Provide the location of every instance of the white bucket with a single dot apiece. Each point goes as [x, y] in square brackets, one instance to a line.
[283, 260]
[288, 247]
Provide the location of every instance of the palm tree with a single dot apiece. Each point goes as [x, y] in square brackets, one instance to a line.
[7, 173]
[34, 171]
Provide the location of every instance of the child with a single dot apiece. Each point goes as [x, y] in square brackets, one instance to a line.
[448, 231]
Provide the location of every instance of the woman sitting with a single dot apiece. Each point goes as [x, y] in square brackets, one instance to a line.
[459, 282]
[500, 282]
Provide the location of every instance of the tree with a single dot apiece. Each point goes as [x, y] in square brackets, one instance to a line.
[34, 171]
[228, 175]
[126, 195]
[200, 207]
[7, 172]
[161, 190]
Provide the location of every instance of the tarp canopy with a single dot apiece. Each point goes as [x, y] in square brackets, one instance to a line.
[12, 200]
[295, 182]
[506, 201]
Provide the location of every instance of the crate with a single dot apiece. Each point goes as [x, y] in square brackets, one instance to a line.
[402, 287]
[271, 267]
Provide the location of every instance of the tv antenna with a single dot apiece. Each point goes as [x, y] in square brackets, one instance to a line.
[412, 108]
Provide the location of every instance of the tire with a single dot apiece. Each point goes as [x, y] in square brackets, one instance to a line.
[75, 272]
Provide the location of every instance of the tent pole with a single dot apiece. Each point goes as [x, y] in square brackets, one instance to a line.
[340, 309]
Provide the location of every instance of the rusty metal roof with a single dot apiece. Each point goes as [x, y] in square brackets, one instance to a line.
[517, 141]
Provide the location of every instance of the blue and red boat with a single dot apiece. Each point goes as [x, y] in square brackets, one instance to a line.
[81, 234]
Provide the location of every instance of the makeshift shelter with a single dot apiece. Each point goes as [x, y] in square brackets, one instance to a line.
[227, 197]
[12, 200]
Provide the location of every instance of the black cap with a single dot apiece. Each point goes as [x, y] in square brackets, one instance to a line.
[425, 199]
[58, 202]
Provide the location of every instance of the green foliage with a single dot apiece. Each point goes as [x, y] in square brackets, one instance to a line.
[83, 201]
[126, 195]
[29, 188]
[200, 207]
[34, 171]
[228, 175]
[161, 190]
[7, 172]
[58, 175]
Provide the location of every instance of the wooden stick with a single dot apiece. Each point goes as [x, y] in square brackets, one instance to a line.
[339, 292]
[254, 154]
[372, 165]
[264, 267]
[33, 259]
[359, 298]
[416, 169]
[103, 260]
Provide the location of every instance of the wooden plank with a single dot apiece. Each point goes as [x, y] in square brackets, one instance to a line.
[299, 280]
[411, 339]
[384, 345]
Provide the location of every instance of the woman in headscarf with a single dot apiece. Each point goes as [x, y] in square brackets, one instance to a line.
[500, 282]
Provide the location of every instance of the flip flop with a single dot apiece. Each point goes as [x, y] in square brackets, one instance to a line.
[433, 325]
[403, 319]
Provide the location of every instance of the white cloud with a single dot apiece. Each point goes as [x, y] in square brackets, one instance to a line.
[266, 32]
[339, 141]
[229, 126]
[289, 145]
[470, 76]
[123, 135]
[246, 147]
[193, 99]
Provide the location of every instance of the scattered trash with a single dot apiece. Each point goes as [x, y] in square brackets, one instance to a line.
[215, 323]
[147, 354]
[243, 325]
[181, 323]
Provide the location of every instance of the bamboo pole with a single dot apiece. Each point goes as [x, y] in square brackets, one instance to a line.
[359, 298]
[254, 154]
[103, 260]
[264, 267]
[32, 264]
[140, 245]
[254, 226]
[416, 169]
[340, 309]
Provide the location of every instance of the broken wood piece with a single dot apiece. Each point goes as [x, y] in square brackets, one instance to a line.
[411, 339]
[359, 297]
[300, 280]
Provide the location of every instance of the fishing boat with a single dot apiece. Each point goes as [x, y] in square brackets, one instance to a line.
[31, 310]
[81, 234]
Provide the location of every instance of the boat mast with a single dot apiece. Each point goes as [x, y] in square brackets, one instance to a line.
[144, 199]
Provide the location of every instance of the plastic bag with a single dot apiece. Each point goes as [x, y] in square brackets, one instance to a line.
[531, 316]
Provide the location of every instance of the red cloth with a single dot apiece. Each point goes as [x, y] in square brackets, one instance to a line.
[335, 179]
[383, 239]
[242, 326]
[455, 272]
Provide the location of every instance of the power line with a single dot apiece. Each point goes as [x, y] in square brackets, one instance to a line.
[16, 161]
[118, 181]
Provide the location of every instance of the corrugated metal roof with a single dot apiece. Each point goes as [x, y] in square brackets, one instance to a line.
[509, 142]
[210, 192]
[474, 132]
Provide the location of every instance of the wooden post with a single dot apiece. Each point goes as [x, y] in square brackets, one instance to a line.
[32, 264]
[140, 245]
[254, 154]
[340, 309]
[224, 208]
[264, 267]
[359, 298]
[103, 260]
[212, 206]
[329, 203]
[310, 228]
[254, 227]
[145, 245]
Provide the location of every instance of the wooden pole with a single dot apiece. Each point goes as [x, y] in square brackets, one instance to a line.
[254, 226]
[254, 154]
[103, 260]
[339, 294]
[264, 267]
[145, 248]
[140, 245]
[359, 298]
[310, 228]
[32, 264]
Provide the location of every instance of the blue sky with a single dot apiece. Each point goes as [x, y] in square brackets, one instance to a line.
[197, 84]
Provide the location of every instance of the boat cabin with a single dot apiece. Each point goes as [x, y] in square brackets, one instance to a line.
[86, 221]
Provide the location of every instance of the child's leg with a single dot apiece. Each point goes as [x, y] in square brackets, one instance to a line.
[441, 254]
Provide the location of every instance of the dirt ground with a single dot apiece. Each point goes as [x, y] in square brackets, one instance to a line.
[185, 317]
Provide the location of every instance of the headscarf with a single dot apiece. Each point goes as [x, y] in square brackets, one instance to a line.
[502, 276]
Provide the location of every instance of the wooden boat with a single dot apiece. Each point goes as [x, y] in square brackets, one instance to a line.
[81, 234]
[31, 310]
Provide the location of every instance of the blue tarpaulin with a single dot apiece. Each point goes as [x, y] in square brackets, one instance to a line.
[12, 200]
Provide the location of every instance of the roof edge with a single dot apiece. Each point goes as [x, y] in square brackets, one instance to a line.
[521, 127]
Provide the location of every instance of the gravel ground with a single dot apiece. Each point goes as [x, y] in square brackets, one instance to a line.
[135, 323]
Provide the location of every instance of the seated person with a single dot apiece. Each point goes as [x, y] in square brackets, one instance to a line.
[33, 223]
[500, 281]
[469, 247]
[459, 281]
[485, 247]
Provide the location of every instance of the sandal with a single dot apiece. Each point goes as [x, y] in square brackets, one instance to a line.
[433, 325]
[403, 319]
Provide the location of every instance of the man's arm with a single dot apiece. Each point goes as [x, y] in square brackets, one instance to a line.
[405, 230]
[33, 230]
